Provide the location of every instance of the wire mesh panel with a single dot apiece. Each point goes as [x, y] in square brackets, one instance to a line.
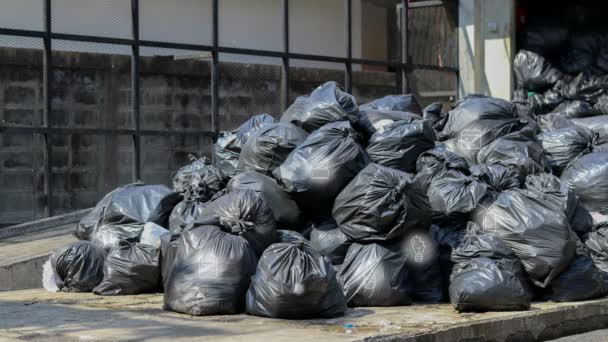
[21, 14]
[249, 85]
[372, 84]
[105, 18]
[376, 34]
[305, 76]
[262, 18]
[317, 27]
[85, 167]
[186, 21]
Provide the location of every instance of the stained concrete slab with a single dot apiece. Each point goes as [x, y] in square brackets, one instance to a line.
[36, 315]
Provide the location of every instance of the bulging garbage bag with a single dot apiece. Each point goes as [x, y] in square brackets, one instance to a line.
[455, 192]
[489, 109]
[487, 275]
[587, 177]
[211, 273]
[545, 102]
[326, 104]
[372, 120]
[268, 147]
[284, 209]
[227, 150]
[601, 106]
[533, 72]
[294, 281]
[161, 214]
[585, 87]
[434, 163]
[252, 125]
[121, 216]
[244, 213]
[330, 241]
[373, 275]
[535, 225]
[597, 244]
[319, 168]
[199, 180]
[288, 236]
[168, 250]
[151, 234]
[432, 112]
[553, 121]
[580, 281]
[381, 204]
[562, 146]
[446, 238]
[130, 269]
[598, 124]
[78, 266]
[575, 109]
[399, 144]
[497, 177]
[402, 103]
[184, 214]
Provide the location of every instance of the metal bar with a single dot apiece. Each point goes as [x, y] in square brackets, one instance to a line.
[404, 47]
[348, 73]
[400, 65]
[135, 90]
[21, 33]
[98, 131]
[426, 3]
[177, 46]
[285, 58]
[47, 108]
[215, 79]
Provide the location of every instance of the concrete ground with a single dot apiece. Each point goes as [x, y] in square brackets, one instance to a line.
[36, 315]
[594, 336]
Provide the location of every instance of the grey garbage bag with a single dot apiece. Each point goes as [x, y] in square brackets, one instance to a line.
[287, 236]
[533, 72]
[244, 213]
[585, 87]
[294, 281]
[545, 102]
[446, 238]
[580, 281]
[371, 120]
[563, 146]
[497, 177]
[401, 102]
[432, 112]
[553, 121]
[184, 214]
[330, 241]
[252, 125]
[373, 275]
[121, 217]
[78, 266]
[381, 204]
[211, 273]
[130, 269]
[319, 168]
[598, 124]
[601, 106]
[575, 109]
[587, 177]
[168, 250]
[161, 214]
[268, 147]
[487, 275]
[326, 104]
[399, 144]
[596, 242]
[284, 209]
[199, 180]
[86, 225]
[455, 192]
[227, 150]
[433, 163]
[535, 225]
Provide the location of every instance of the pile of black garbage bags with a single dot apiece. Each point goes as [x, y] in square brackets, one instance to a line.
[341, 205]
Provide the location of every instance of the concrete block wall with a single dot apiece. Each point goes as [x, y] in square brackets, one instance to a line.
[94, 91]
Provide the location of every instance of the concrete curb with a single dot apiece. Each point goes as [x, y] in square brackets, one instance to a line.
[542, 326]
[44, 224]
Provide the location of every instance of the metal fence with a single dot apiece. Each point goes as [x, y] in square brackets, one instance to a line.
[68, 137]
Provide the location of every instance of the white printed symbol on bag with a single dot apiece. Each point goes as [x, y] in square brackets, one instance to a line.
[320, 170]
[418, 247]
[471, 139]
[208, 268]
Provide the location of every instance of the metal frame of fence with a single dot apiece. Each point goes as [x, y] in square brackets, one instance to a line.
[401, 65]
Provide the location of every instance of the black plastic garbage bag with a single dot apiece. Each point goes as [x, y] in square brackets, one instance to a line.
[268, 148]
[330, 241]
[244, 213]
[294, 281]
[78, 266]
[424, 265]
[455, 192]
[168, 250]
[432, 112]
[487, 275]
[563, 146]
[580, 281]
[199, 180]
[446, 239]
[545, 102]
[474, 109]
[535, 225]
[401, 103]
[288, 236]
[161, 214]
[284, 209]
[381, 204]
[227, 150]
[598, 124]
[326, 104]
[497, 177]
[533, 72]
[399, 144]
[553, 121]
[130, 269]
[252, 125]
[575, 109]
[597, 244]
[211, 273]
[372, 120]
[373, 275]
[601, 105]
[585, 87]
[184, 215]
[433, 163]
[121, 216]
[317, 170]
[587, 177]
